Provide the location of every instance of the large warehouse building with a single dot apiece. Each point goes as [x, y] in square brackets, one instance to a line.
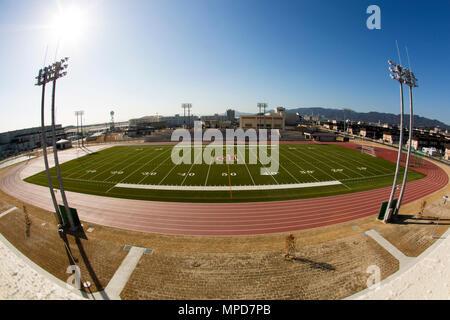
[14, 142]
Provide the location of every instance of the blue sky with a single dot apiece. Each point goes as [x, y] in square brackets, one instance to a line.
[146, 57]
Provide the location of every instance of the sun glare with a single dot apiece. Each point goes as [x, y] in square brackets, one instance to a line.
[70, 23]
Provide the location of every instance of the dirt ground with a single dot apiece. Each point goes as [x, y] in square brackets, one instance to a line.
[330, 262]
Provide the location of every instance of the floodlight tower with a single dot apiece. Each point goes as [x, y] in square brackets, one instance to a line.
[42, 79]
[51, 74]
[112, 127]
[263, 106]
[398, 73]
[81, 127]
[79, 114]
[187, 106]
[411, 82]
[259, 116]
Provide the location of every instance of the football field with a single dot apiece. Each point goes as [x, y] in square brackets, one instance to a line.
[148, 173]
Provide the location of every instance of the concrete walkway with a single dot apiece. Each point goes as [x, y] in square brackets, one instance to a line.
[403, 260]
[123, 273]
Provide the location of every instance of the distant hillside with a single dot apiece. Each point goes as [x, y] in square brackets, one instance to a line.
[374, 117]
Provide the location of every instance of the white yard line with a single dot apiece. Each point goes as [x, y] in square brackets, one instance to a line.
[340, 164]
[249, 173]
[264, 167]
[89, 165]
[317, 168]
[159, 165]
[141, 168]
[207, 175]
[114, 166]
[139, 159]
[168, 173]
[351, 158]
[299, 167]
[187, 174]
[227, 188]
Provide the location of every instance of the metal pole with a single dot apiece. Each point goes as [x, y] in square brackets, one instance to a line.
[44, 151]
[405, 175]
[81, 124]
[78, 132]
[264, 115]
[55, 154]
[388, 213]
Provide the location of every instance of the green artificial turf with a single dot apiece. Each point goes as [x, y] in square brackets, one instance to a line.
[98, 174]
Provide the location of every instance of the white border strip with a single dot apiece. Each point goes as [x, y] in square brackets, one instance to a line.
[8, 211]
[227, 188]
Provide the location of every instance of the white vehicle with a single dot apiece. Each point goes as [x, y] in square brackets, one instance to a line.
[430, 151]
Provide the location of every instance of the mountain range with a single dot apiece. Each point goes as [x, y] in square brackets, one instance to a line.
[373, 117]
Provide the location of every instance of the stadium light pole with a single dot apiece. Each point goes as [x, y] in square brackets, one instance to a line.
[42, 80]
[263, 106]
[81, 127]
[411, 81]
[398, 74]
[53, 73]
[78, 133]
[187, 106]
[79, 114]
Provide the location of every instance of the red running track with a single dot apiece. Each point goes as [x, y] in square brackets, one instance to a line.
[227, 219]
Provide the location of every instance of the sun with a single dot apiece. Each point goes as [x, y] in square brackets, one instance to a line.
[70, 23]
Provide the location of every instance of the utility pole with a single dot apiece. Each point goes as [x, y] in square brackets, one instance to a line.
[51, 74]
[398, 74]
[410, 80]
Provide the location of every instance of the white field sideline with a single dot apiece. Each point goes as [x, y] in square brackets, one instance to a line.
[227, 188]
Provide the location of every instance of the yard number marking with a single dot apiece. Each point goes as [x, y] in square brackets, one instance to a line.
[225, 174]
[183, 174]
[146, 173]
